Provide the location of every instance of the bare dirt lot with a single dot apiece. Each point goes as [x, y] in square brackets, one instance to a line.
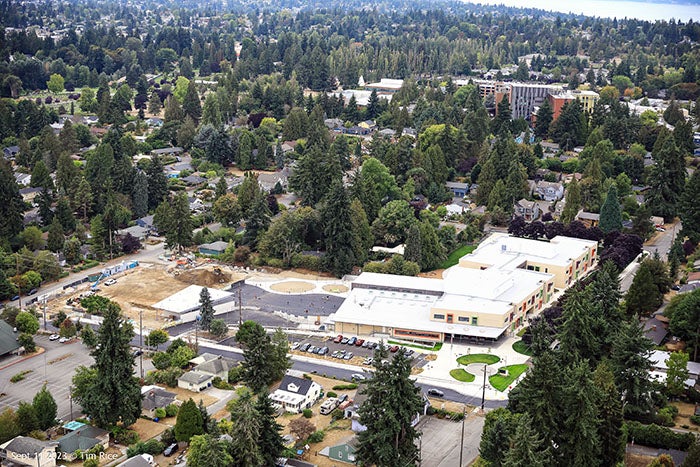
[292, 287]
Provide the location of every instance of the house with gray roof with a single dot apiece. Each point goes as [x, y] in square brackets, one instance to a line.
[214, 248]
[217, 367]
[23, 450]
[166, 151]
[82, 439]
[154, 397]
[296, 394]
[144, 460]
[195, 381]
[8, 339]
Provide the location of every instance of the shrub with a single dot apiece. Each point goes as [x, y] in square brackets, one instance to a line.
[307, 413]
[168, 437]
[657, 436]
[91, 463]
[161, 413]
[331, 394]
[337, 414]
[316, 437]
[345, 387]
[313, 263]
[219, 383]
[235, 374]
[152, 447]
[171, 410]
[122, 435]
[695, 419]
[20, 376]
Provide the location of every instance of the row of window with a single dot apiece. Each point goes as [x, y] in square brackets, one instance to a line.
[461, 319]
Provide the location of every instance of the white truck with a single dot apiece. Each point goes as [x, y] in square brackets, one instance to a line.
[329, 405]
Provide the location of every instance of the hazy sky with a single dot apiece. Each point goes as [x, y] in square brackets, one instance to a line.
[605, 8]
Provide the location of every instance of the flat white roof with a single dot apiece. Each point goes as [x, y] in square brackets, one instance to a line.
[187, 299]
[412, 311]
[493, 284]
[507, 252]
[375, 279]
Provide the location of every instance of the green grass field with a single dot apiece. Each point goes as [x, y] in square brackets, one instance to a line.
[461, 375]
[501, 382]
[522, 348]
[478, 358]
[455, 255]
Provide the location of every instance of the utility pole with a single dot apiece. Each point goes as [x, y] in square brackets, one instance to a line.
[483, 393]
[141, 341]
[240, 308]
[19, 285]
[461, 444]
[45, 300]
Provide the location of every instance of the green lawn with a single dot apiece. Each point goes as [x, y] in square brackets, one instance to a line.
[523, 348]
[478, 358]
[461, 375]
[501, 382]
[522, 331]
[455, 255]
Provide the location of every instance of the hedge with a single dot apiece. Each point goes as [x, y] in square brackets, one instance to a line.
[656, 436]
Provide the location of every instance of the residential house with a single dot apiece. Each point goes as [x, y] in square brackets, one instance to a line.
[528, 210]
[141, 233]
[90, 120]
[214, 248]
[196, 204]
[296, 394]
[344, 452]
[82, 439]
[144, 460]
[458, 189]
[154, 122]
[589, 219]
[656, 329]
[352, 411]
[8, 339]
[23, 450]
[29, 193]
[357, 130]
[155, 397]
[267, 181]
[659, 362]
[388, 132]
[217, 367]
[167, 151]
[549, 191]
[23, 179]
[194, 180]
[147, 223]
[10, 152]
[333, 123]
[195, 381]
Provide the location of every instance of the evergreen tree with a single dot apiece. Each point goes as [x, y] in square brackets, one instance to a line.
[139, 195]
[191, 105]
[362, 239]
[257, 371]
[610, 212]
[338, 232]
[677, 373]
[571, 128]
[157, 183]
[544, 120]
[630, 362]
[576, 333]
[12, 206]
[609, 404]
[499, 427]
[88, 337]
[257, 222]
[412, 251]
[41, 177]
[432, 251]
[174, 220]
[27, 417]
[189, 421]
[45, 407]
[685, 320]
[580, 444]
[689, 208]
[114, 394]
[372, 106]
[392, 402]
[269, 438]
[56, 237]
[221, 188]
[502, 125]
[207, 451]
[206, 309]
[245, 432]
[314, 174]
[643, 295]
[667, 180]
[64, 214]
[527, 447]
[67, 175]
[44, 202]
[83, 197]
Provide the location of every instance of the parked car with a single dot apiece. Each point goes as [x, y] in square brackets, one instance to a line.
[408, 352]
[54, 337]
[342, 398]
[675, 287]
[348, 356]
[110, 281]
[435, 392]
[394, 348]
[372, 345]
[170, 450]
[340, 354]
[358, 377]
[295, 345]
[63, 340]
[335, 353]
[344, 340]
[304, 347]
[338, 338]
[323, 351]
[368, 361]
[366, 344]
[32, 291]
[352, 341]
[311, 349]
[137, 353]
[16, 297]
[359, 342]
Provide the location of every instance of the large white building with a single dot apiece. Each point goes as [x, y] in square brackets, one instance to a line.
[492, 290]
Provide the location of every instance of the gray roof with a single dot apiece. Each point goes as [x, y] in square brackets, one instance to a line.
[136, 461]
[194, 377]
[83, 438]
[303, 384]
[655, 330]
[157, 398]
[26, 445]
[461, 185]
[8, 339]
[214, 246]
[194, 179]
[167, 150]
[215, 366]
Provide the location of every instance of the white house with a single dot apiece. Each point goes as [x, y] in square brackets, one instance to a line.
[659, 362]
[296, 394]
[549, 191]
[195, 381]
[529, 210]
[23, 450]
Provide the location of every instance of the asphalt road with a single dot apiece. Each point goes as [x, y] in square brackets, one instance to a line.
[663, 241]
[441, 440]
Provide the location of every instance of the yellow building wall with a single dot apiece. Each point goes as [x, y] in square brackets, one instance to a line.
[482, 319]
[467, 263]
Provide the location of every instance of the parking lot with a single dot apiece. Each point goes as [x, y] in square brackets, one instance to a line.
[339, 351]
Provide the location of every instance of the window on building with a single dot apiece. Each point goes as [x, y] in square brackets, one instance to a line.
[449, 318]
[474, 320]
[438, 316]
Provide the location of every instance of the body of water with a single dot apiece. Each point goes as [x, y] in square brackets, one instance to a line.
[607, 9]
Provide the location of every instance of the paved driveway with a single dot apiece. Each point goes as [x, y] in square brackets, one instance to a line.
[440, 442]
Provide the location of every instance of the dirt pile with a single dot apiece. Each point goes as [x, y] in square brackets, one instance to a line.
[203, 277]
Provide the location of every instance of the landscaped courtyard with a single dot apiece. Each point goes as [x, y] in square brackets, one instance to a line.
[501, 381]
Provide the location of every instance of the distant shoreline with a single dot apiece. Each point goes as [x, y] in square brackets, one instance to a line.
[652, 10]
